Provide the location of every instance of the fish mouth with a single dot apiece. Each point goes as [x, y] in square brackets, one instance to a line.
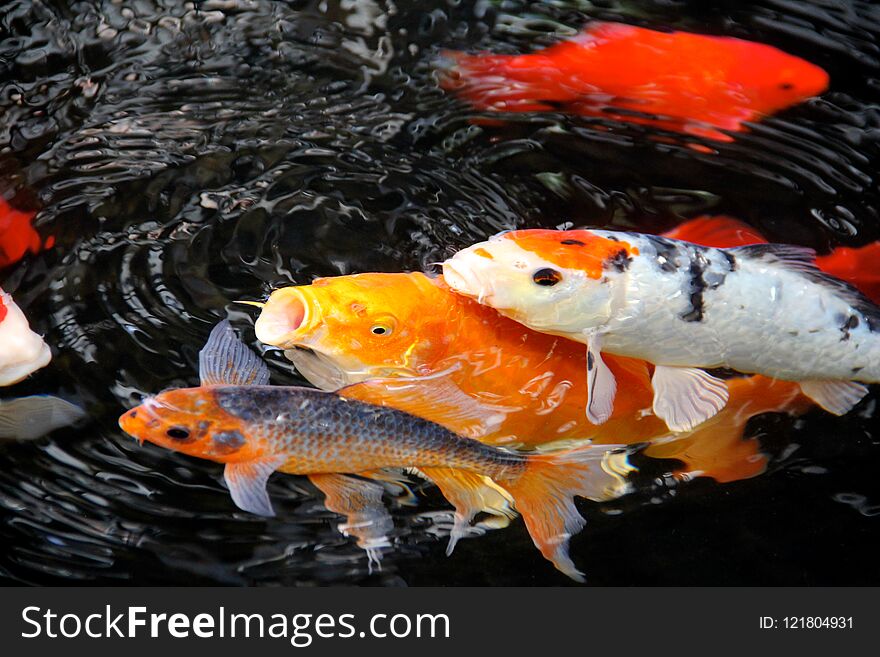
[285, 318]
[464, 281]
[137, 421]
[20, 370]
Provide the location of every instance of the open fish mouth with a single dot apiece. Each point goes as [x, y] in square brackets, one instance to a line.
[285, 317]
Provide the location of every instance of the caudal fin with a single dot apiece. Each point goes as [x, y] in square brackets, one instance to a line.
[544, 495]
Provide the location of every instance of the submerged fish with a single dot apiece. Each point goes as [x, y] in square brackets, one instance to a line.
[32, 417]
[679, 81]
[17, 235]
[22, 351]
[256, 429]
[761, 308]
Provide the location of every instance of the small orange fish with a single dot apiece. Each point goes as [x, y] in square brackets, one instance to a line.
[256, 429]
[679, 81]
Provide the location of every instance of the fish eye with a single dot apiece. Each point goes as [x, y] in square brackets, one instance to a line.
[547, 277]
[178, 433]
[785, 86]
[381, 329]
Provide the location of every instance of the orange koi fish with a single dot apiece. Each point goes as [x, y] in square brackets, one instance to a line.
[255, 429]
[679, 81]
[17, 235]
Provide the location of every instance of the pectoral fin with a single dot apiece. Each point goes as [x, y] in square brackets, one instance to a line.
[837, 397]
[601, 384]
[436, 398]
[685, 397]
[29, 418]
[470, 494]
[247, 483]
[226, 360]
[366, 517]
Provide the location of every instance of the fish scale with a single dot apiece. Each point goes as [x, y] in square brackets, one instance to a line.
[257, 429]
[326, 433]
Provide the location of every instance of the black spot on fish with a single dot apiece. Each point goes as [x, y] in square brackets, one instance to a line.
[697, 288]
[133, 414]
[667, 253]
[847, 325]
[731, 260]
[589, 361]
[227, 442]
[856, 370]
[612, 238]
[802, 260]
[619, 261]
[572, 243]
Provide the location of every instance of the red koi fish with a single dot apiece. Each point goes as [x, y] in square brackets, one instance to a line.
[679, 81]
[17, 235]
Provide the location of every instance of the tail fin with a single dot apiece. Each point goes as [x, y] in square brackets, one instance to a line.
[544, 492]
[857, 266]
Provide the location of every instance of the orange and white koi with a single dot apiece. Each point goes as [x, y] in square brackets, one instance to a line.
[762, 308]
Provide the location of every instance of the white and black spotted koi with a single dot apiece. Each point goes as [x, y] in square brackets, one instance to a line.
[764, 309]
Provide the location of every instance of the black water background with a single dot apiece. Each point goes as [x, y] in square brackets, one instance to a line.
[187, 158]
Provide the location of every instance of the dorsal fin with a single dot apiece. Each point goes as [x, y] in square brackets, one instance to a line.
[226, 360]
[801, 258]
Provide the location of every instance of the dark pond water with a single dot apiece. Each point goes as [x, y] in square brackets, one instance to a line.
[185, 156]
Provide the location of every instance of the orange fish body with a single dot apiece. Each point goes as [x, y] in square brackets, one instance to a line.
[678, 81]
[528, 383]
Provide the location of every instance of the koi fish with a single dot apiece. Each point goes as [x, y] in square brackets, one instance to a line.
[761, 308]
[22, 351]
[679, 81]
[255, 429]
[17, 235]
[446, 358]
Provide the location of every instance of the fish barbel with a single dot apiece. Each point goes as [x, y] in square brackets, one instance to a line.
[761, 308]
